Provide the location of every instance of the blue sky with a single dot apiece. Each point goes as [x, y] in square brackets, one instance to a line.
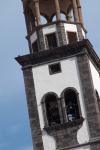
[14, 123]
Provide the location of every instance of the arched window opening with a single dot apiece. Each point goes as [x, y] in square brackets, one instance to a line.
[54, 18]
[52, 110]
[71, 102]
[43, 20]
[70, 15]
[63, 17]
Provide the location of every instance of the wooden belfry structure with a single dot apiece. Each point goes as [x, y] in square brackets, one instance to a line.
[39, 12]
[61, 75]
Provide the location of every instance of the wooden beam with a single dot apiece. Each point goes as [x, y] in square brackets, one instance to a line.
[75, 10]
[57, 10]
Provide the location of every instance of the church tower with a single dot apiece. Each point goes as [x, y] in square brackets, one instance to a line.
[61, 75]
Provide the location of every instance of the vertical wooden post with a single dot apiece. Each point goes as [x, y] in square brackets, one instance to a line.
[79, 11]
[37, 12]
[75, 9]
[57, 10]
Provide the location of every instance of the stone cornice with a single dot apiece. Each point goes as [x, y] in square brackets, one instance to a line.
[64, 52]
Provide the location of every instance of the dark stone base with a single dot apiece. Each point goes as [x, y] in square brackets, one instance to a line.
[65, 134]
[61, 34]
[95, 147]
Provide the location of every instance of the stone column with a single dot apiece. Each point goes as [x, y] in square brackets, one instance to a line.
[79, 11]
[76, 18]
[75, 10]
[57, 10]
[61, 34]
[41, 42]
[37, 11]
[60, 26]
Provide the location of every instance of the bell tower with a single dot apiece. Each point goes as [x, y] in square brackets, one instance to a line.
[62, 77]
[52, 19]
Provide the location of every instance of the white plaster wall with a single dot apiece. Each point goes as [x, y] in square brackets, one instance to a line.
[95, 77]
[57, 83]
[49, 29]
[70, 28]
[33, 37]
[48, 141]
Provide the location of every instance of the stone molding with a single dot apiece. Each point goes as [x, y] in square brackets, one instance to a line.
[63, 52]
